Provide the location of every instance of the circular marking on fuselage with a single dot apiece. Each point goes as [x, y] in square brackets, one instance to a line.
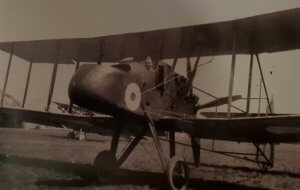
[133, 96]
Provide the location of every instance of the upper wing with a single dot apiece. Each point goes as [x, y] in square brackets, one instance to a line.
[101, 125]
[278, 31]
[272, 129]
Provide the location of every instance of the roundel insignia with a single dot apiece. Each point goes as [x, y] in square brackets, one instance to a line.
[132, 96]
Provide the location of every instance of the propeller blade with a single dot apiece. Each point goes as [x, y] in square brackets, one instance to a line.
[219, 102]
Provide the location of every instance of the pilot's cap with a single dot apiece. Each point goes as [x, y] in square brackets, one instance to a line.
[148, 59]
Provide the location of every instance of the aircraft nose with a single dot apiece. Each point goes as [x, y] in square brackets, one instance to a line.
[94, 84]
[103, 88]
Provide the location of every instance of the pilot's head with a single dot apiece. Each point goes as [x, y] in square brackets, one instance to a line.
[149, 63]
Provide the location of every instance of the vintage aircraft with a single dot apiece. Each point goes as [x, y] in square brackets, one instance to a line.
[144, 96]
[75, 110]
[64, 108]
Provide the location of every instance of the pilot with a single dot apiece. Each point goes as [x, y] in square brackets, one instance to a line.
[149, 63]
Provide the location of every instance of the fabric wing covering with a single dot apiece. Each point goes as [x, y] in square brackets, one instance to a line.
[266, 129]
[278, 31]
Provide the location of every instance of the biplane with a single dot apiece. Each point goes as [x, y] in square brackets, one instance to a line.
[144, 96]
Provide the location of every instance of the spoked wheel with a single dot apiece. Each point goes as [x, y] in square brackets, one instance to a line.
[178, 173]
[105, 165]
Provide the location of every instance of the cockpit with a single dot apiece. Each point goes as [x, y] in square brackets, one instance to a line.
[161, 71]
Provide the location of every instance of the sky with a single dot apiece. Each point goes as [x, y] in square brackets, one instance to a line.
[51, 19]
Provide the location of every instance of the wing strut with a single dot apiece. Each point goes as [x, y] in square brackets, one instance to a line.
[177, 52]
[27, 84]
[6, 75]
[53, 77]
[195, 67]
[76, 67]
[230, 91]
[249, 84]
[263, 81]
[28, 77]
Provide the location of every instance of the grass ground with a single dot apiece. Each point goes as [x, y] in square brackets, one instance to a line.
[46, 159]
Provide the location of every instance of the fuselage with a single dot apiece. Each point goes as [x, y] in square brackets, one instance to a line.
[130, 89]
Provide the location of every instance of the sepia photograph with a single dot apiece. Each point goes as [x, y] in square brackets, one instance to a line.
[137, 94]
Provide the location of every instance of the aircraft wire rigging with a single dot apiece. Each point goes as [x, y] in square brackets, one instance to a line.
[169, 79]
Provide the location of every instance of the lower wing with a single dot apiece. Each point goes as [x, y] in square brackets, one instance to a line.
[98, 124]
[266, 129]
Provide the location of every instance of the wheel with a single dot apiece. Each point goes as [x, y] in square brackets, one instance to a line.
[263, 167]
[178, 173]
[105, 165]
[82, 136]
[71, 135]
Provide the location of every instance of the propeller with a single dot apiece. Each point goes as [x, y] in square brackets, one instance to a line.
[219, 102]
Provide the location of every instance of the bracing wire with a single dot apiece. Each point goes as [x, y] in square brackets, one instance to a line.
[169, 79]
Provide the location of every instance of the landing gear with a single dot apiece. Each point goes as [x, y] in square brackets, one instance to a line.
[105, 165]
[177, 173]
[73, 134]
[263, 167]
[264, 156]
[106, 162]
[176, 169]
[82, 136]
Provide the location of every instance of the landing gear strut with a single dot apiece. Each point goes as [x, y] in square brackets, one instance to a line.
[106, 162]
[264, 156]
[176, 169]
[82, 135]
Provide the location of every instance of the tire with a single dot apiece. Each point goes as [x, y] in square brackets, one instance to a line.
[179, 182]
[71, 135]
[82, 136]
[105, 165]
